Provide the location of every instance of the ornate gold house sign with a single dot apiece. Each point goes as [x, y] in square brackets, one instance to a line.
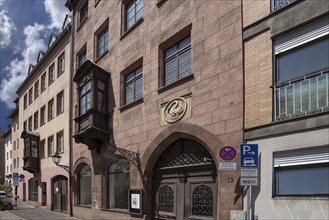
[175, 110]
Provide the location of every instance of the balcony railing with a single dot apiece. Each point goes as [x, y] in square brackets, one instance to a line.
[278, 4]
[303, 97]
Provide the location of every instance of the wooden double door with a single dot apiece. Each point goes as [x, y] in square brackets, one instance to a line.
[185, 183]
[184, 197]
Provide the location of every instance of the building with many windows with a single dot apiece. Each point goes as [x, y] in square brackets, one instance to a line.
[158, 89]
[44, 124]
[17, 159]
[2, 157]
[8, 156]
[286, 63]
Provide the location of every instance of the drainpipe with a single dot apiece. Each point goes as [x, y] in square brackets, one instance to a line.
[70, 29]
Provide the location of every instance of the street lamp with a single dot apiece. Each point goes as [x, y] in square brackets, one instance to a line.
[56, 157]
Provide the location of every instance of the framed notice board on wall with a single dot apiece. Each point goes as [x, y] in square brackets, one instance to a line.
[135, 198]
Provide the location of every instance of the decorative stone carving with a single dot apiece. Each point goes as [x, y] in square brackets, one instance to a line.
[175, 110]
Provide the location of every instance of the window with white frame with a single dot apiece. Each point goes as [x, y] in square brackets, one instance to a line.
[60, 142]
[302, 71]
[60, 103]
[51, 146]
[51, 74]
[61, 64]
[43, 82]
[302, 172]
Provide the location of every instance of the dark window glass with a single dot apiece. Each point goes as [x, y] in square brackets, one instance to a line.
[134, 12]
[61, 64]
[50, 109]
[30, 96]
[85, 98]
[178, 61]
[25, 101]
[43, 115]
[36, 89]
[82, 57]
[43, 82]
[134, 85]
[30, 123]
[85, 185]
[33, 189]
[83, 12]
[102, 43]
[42, 149]
[51, 146]
[119, 183]
[36, 120]
[60, 103]
[307, 180]
[303, 60]
[60, 142]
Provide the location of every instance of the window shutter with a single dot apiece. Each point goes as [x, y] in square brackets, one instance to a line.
[301, 157]
[301, 36]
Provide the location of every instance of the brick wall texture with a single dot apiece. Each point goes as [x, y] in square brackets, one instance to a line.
[254, 10]
[258, 80]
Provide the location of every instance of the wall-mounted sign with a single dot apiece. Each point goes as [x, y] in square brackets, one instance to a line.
[227, 153]
[227, 166]
[135, 201]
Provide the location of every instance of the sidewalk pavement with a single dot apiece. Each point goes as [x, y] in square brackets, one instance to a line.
[25, 211]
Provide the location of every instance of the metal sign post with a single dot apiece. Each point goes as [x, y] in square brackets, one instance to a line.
[249, 171]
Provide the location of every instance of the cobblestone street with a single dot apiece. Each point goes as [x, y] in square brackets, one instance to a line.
[28, 212]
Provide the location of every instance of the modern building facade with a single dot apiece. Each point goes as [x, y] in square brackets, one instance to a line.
[158, 90]
[44, 126]
[286, 63]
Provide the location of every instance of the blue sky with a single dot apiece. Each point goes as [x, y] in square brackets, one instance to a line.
[25, 28]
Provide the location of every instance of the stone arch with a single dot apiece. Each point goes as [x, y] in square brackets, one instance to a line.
[173, 133]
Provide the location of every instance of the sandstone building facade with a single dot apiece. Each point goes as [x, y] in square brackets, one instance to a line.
[158, 89]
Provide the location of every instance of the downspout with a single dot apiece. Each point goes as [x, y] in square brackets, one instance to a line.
[70, 29]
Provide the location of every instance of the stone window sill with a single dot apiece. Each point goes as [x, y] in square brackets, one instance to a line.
[177, 83]
[132, 28]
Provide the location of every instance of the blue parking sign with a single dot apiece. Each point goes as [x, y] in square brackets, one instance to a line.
[249, 155]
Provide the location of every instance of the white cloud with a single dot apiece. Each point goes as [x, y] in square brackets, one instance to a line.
[6, 29]
[34, 42]
[17, 70]
[57, 11]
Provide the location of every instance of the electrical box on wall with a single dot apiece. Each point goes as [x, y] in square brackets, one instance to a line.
[238, 215]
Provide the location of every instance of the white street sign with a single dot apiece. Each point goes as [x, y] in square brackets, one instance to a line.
[249, 172]
[249, 181]
[227, 166]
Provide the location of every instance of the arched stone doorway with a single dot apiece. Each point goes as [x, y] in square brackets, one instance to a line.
[184, 182]
[59, 197]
